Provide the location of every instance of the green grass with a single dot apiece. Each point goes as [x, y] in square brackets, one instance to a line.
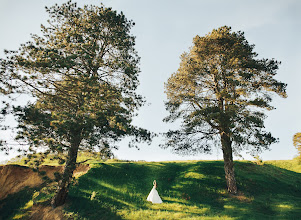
[83, 156]
[293, 165]
[15, 204]
[189, 190]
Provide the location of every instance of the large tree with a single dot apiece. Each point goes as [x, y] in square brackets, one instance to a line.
[221, 92]
[82, 73]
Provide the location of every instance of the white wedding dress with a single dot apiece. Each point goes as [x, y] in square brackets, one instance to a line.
[154, 196]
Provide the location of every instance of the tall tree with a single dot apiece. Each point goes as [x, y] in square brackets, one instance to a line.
[82, 73]
[220, 92]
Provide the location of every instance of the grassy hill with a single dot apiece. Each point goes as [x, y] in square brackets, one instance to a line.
[189, 190]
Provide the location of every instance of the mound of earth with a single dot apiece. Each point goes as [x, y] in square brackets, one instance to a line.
[46, 213]
[14, 178]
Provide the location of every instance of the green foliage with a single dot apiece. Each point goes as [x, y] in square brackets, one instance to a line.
[297, 144]
[221, 88]
[82, 73]
[258, 160]
[45, 194]
[4, 109]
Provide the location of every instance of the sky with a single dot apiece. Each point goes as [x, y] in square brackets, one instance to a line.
[164, 30]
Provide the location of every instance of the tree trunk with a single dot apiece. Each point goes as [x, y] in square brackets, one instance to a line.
[228, 163]
[63, 185]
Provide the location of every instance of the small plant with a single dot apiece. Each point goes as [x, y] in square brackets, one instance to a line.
[45, 194]
[93, 195]
[258, 160]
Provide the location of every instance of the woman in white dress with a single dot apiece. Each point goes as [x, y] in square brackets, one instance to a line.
[153, 195]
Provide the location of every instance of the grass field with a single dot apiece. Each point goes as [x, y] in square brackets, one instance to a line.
[82, 156]
[189, 190]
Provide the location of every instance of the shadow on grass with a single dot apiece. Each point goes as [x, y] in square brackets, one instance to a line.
[275, 191]
[83, 208]
[197, 188]
[14, 202]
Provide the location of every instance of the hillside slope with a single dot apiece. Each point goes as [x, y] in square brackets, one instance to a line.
[189, 190]
[19, 183]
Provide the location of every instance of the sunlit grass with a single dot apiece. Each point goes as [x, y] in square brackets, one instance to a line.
[23, 211]
[293, 165]
[194, 175]
[285, 206]
[189, 190]
[50, 160]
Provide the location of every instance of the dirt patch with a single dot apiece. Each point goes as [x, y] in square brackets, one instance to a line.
[40, 212]
[50, 170]
[81, 170]
[14, 178]
[241, 197]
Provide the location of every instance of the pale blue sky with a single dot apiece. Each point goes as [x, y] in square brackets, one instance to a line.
[164, 30]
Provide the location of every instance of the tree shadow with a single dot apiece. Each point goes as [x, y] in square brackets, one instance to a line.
[202, 183]
[264, 191]
[13, 203]
[83, 208]
[119, 186]
[274, 191]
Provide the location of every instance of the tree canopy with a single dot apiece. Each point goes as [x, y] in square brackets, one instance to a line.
[83, 74]
[221, 92]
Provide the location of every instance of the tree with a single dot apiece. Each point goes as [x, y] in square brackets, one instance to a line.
[297, 143]
[220, 92]
[83, 73]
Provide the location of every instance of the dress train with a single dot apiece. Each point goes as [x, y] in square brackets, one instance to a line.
[154, 195]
